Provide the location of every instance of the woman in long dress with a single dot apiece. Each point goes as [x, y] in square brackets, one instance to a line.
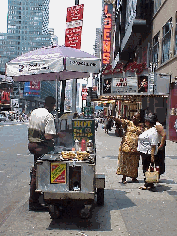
[128, 158]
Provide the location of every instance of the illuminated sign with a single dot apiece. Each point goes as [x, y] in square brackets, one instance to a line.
[74, 22]
[107, 29]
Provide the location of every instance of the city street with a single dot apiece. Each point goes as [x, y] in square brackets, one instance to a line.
[127, 210]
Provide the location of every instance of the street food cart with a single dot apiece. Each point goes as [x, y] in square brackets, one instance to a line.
[67, 175]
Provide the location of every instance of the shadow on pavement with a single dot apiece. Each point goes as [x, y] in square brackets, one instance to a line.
[100, 219]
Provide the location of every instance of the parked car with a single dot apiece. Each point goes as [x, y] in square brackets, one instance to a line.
[2, 118]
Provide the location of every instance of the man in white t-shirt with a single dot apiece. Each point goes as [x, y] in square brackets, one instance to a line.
[41, 134]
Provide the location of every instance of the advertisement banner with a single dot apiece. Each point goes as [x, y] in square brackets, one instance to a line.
[124, 85]
[35, 85]
[35, 67]
[73, 37]
[143, 84]
[58, 173]
[4, 97]
[107, 85]
[74, 22]
[75, 13]
[32, 89]
[83, 65]
[84, 94]
[120, 86]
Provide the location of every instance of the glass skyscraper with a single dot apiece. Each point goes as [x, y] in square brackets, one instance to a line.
[27, 29]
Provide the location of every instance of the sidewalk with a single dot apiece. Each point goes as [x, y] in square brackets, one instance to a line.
[134, 211]
[126, 211]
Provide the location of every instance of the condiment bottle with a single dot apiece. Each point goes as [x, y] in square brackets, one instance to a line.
[83, 145]
[77, 145]
[157, 168]
[90, 146]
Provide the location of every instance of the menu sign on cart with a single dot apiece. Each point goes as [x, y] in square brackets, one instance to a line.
[58, 173]
[84, 129]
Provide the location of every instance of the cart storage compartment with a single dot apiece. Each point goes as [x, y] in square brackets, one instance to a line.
[79, 179]
[74, 178]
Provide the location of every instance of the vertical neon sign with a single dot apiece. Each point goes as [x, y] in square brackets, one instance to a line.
[107, 29]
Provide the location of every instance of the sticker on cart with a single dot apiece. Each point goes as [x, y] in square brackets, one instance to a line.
[58, 173]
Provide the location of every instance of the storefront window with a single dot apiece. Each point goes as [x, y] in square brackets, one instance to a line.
[156, 48]
[166, 41]
[157, 4]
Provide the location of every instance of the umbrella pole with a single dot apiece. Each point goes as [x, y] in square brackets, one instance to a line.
[62, 97]
[57, 118]
[57, 100]
[74, 95]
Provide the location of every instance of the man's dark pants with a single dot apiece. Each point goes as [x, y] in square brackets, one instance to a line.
[38, 149]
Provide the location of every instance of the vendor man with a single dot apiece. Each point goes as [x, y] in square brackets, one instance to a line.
[41, 133]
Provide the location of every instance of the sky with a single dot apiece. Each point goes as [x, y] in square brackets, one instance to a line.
[57, 20]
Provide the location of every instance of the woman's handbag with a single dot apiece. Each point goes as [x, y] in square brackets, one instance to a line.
[152, 175]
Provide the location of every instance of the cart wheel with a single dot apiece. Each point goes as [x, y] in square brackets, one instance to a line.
[54, 212]
[100, 196]
[85, 212]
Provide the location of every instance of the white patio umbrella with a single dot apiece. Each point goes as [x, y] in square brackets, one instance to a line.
[49, 63]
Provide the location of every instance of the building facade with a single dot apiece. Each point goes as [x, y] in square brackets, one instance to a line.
[97, 46]
[145, 56]
[27, 29]
[164, 58]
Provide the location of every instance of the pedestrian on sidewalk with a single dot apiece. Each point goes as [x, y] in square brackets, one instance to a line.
[106, 125]
[160, 157]
[128, 158]
[148, 146]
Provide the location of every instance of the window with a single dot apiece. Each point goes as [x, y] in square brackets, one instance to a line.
[155, 49]
[157, 4]
[166, 41]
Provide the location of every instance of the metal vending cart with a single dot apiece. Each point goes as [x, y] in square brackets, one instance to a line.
[67, 176]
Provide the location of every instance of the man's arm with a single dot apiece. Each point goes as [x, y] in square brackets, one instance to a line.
[51, 136]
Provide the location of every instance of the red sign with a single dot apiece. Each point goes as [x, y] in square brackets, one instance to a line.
[34, 85]
[75, 13]
[5, 97]
[73, 37]
[73, 32]
[107, 29]
[84, 94]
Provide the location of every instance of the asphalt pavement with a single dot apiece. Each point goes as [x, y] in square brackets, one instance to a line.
[127, 209]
